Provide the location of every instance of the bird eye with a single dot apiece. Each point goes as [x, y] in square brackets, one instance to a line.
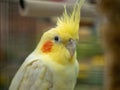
[56, 38]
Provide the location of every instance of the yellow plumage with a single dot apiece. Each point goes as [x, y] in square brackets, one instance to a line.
[70, 20]
[52, 65]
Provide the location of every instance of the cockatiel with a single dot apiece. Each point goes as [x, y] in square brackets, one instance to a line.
[53, 64]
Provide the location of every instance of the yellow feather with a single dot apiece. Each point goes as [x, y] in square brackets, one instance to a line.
[71, 19]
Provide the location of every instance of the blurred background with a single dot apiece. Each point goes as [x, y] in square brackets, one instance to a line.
[19, 36]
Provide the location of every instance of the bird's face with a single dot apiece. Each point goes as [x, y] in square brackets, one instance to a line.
[59, 46]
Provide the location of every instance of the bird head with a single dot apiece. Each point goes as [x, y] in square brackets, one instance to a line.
[59, 43]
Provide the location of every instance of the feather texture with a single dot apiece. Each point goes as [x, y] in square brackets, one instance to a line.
[71, 19]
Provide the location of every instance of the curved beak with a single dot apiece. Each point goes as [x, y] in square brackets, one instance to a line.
[71, 46]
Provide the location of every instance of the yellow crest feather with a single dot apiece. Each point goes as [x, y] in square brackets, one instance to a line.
[71, 19]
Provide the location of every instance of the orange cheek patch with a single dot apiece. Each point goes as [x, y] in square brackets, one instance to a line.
[47, 46]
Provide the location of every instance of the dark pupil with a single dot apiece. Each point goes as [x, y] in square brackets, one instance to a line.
[56, 38]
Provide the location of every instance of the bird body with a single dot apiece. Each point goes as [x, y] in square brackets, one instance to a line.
[53, 64]
[38, 70]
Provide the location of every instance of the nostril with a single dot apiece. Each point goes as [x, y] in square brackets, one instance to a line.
[70, 39]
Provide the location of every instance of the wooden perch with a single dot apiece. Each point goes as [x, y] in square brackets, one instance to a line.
[37, 8]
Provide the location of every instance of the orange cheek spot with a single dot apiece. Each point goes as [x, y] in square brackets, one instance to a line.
[47, 46]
